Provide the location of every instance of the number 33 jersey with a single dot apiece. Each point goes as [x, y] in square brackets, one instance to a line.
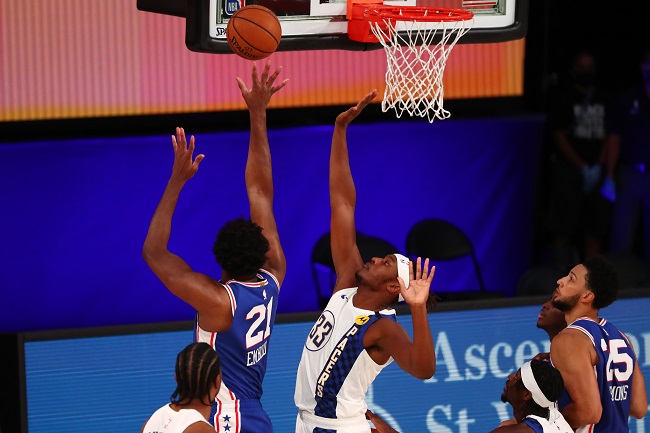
[335, 370]
[243, 347]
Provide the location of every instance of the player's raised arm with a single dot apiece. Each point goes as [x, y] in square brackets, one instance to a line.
[345, 253]
[200, 291]
[259, 179]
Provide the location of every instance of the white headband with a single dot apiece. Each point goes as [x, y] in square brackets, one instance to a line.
[531, 385]
[403, 264]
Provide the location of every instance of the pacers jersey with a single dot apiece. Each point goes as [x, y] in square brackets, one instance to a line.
[167, 420]
[335, 370]
[243, 347]
[616, 363]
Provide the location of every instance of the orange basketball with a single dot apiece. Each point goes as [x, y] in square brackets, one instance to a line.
[254, 32]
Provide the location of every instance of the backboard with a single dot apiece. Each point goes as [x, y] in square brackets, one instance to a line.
[321, 24]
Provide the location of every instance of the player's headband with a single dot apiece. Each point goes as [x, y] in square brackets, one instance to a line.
[531, 385]
[403, 264]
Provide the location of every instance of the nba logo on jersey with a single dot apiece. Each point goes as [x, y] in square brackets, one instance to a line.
[232, 6]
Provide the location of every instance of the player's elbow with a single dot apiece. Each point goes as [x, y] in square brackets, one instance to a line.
[151, 255]
[426, 372]
[639, 410]
[147, 254]
[591, 415]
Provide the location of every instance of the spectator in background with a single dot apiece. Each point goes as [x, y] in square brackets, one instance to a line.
[628, 161]
[578, 216]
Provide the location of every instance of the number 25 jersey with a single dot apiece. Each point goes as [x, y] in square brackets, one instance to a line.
[616, 362]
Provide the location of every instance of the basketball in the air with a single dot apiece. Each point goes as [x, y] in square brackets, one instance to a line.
[254, 32]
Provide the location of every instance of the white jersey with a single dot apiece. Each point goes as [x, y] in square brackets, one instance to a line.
[335, 370]
[167, 420]
[555, 424]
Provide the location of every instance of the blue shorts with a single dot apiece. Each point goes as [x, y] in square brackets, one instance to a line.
[240, 416]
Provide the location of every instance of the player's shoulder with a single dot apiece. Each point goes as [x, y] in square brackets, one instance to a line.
[570, 336]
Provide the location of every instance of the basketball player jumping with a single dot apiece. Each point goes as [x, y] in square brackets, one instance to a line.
[198, 378]
[357, 334]
[235, 315]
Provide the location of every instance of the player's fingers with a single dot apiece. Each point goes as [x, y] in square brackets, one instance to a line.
[265, 72]
[418, 268]
[181, 138]
[241, 85]
[273, 76]
[254, 74]
[279, 86]
[369, 97]
[425, 268]
[198, 160]
[174, 144]
[191, 145]
[433, 271]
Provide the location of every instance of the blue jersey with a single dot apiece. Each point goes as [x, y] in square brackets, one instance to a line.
[243, 349]
[616, 363]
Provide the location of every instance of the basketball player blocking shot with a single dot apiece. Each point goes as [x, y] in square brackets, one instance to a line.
[357, 335]
[235, 314]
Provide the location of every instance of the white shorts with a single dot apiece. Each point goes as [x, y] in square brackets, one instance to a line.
[306, 422]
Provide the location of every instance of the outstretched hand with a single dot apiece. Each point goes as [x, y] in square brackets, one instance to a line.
[259, 95]
[184, 167]
[381, 426]
[348, 116]
[417, 292]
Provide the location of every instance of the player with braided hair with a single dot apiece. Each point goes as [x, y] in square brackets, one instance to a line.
[198, 378]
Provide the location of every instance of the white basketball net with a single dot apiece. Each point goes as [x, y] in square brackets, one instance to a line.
[416, 64]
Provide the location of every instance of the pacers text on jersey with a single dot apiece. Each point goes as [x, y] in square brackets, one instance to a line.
[334, 357]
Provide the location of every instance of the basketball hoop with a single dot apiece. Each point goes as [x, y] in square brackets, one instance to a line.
[417, 41]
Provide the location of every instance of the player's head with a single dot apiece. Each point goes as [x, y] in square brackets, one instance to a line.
[380, 274]
[240, 248]
[594, 283]
[602, 280]
[550, 319]
[198, 374]
[533, 388]
[583, 69]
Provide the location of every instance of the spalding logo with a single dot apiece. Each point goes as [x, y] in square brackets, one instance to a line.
[243, 51]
